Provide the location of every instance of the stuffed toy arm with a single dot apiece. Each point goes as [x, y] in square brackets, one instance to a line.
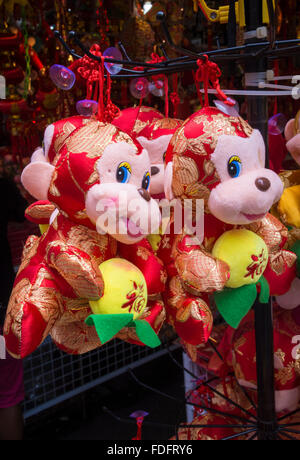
[77, 268]
[199, 271]
[281, 269]
[272, 231]
[40, 212]
[142, 256]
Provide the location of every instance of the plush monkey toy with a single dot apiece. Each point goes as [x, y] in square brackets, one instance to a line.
[155, 138]
[220, 159]
[237, 347]
[288, 208]
[93, 164]
[154, 133]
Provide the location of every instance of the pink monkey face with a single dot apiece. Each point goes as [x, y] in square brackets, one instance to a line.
[120, 204]
[156, 149]
[247, 190]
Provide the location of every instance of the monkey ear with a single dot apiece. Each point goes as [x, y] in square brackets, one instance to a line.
[48, 138]
[289, 130]
[293, 147]
[36, 179]
[38, 155]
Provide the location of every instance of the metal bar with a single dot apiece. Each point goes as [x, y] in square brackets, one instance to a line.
[272, 18]
[246, 394]
[237, 435]
[290, 424]
[231, 26]
[178, 64]
[122, 48]
[161, 17]
[86, 51]
[243, 389]
[252, 437]
[278, 51]
[216, 426]
[283, 433]
[213, 54]
[258, 118]
[288, 415]
[230, 401]
[209, 409]
[65, 45]
[290, 430]
[88, 386]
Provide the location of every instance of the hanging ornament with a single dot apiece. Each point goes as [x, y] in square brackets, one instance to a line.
[87, 107]
[139, 87]
[113, 53]
[93, 71]
[174, 96]
[62, 77]
[232, 111]
[157, 88]
[102, 24]
[139, 416]
[276, 124]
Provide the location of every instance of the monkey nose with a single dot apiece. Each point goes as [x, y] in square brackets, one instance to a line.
[154, 170]
[263, 184]
[144, 194]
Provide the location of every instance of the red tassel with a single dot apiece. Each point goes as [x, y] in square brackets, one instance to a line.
[139, 422]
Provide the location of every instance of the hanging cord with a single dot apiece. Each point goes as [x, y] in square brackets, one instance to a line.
[94, 73]
[174, 97]
[111, 110]
[201, 75]
[166, 86]
[156, 59]
[276, 72]
[209, 73]
[100, 113]
[27, 80]
[139, 423]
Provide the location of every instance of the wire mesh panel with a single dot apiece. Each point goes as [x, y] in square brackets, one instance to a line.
[51, 376]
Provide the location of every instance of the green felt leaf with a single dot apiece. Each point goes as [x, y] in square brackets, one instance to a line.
[264, 295]
[234, 304]
[296, 250]
[146, 334]
[107, 326]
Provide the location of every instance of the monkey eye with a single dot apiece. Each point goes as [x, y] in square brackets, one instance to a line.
[123, 172]
[234, 166]
[146, 181]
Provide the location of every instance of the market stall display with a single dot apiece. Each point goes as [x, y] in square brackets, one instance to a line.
[217, 291]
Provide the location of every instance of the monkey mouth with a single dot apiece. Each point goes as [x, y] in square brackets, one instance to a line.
[253, 217]
[133, 230]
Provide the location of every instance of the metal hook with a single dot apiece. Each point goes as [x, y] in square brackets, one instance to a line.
[272, 18]
[57, 34]
[122, 48]
[161, 17]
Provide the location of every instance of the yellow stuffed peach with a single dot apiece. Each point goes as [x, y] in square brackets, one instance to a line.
[125, 289]
[245, 253]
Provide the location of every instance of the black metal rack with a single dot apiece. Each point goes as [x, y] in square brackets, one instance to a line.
[254, 56]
